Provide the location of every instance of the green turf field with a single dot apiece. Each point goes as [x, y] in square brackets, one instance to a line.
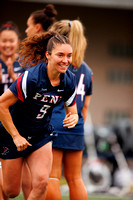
[92, 197]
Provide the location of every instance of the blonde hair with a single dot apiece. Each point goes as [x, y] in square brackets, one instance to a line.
[74, 30]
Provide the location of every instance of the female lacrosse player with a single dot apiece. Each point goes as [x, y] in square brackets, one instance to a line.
[26, 132]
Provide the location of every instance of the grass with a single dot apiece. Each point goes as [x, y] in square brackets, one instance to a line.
[105, 197]
[90, 197]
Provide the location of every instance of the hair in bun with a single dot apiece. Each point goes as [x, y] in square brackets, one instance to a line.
[46, 17]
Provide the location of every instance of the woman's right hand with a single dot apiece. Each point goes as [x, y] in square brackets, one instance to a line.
[20, 142]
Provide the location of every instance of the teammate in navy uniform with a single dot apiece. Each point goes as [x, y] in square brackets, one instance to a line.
[9, 65]
[26, 132]
[68, 147]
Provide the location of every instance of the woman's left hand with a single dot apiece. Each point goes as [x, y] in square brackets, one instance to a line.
[70, 120]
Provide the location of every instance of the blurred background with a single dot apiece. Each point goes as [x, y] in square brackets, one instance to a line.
[109, 31]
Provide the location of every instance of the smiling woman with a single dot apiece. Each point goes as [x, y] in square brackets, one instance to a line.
[9, 66]
[62, 57]
[27, 136]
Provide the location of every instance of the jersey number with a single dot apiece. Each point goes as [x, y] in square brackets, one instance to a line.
[81, 87]
[43, 111]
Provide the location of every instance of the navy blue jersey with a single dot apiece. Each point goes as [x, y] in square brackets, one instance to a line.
[6, 80]
[37, 97]
[84, 87]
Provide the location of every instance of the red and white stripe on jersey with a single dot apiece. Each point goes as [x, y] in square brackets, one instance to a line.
[70, 100]
[22, 88]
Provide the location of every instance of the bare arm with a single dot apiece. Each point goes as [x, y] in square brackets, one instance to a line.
[71, 118]
[86, 106]
[6, 100]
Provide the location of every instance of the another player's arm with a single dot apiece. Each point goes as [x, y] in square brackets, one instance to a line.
[86, 106]
[71, 118]
[7, 99]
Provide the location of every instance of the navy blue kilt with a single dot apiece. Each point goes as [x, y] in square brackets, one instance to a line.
[8, 149]
[69, 141]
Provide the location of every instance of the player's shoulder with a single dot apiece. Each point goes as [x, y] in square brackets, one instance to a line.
[86, 68]
[34, 73]
[37, 68]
